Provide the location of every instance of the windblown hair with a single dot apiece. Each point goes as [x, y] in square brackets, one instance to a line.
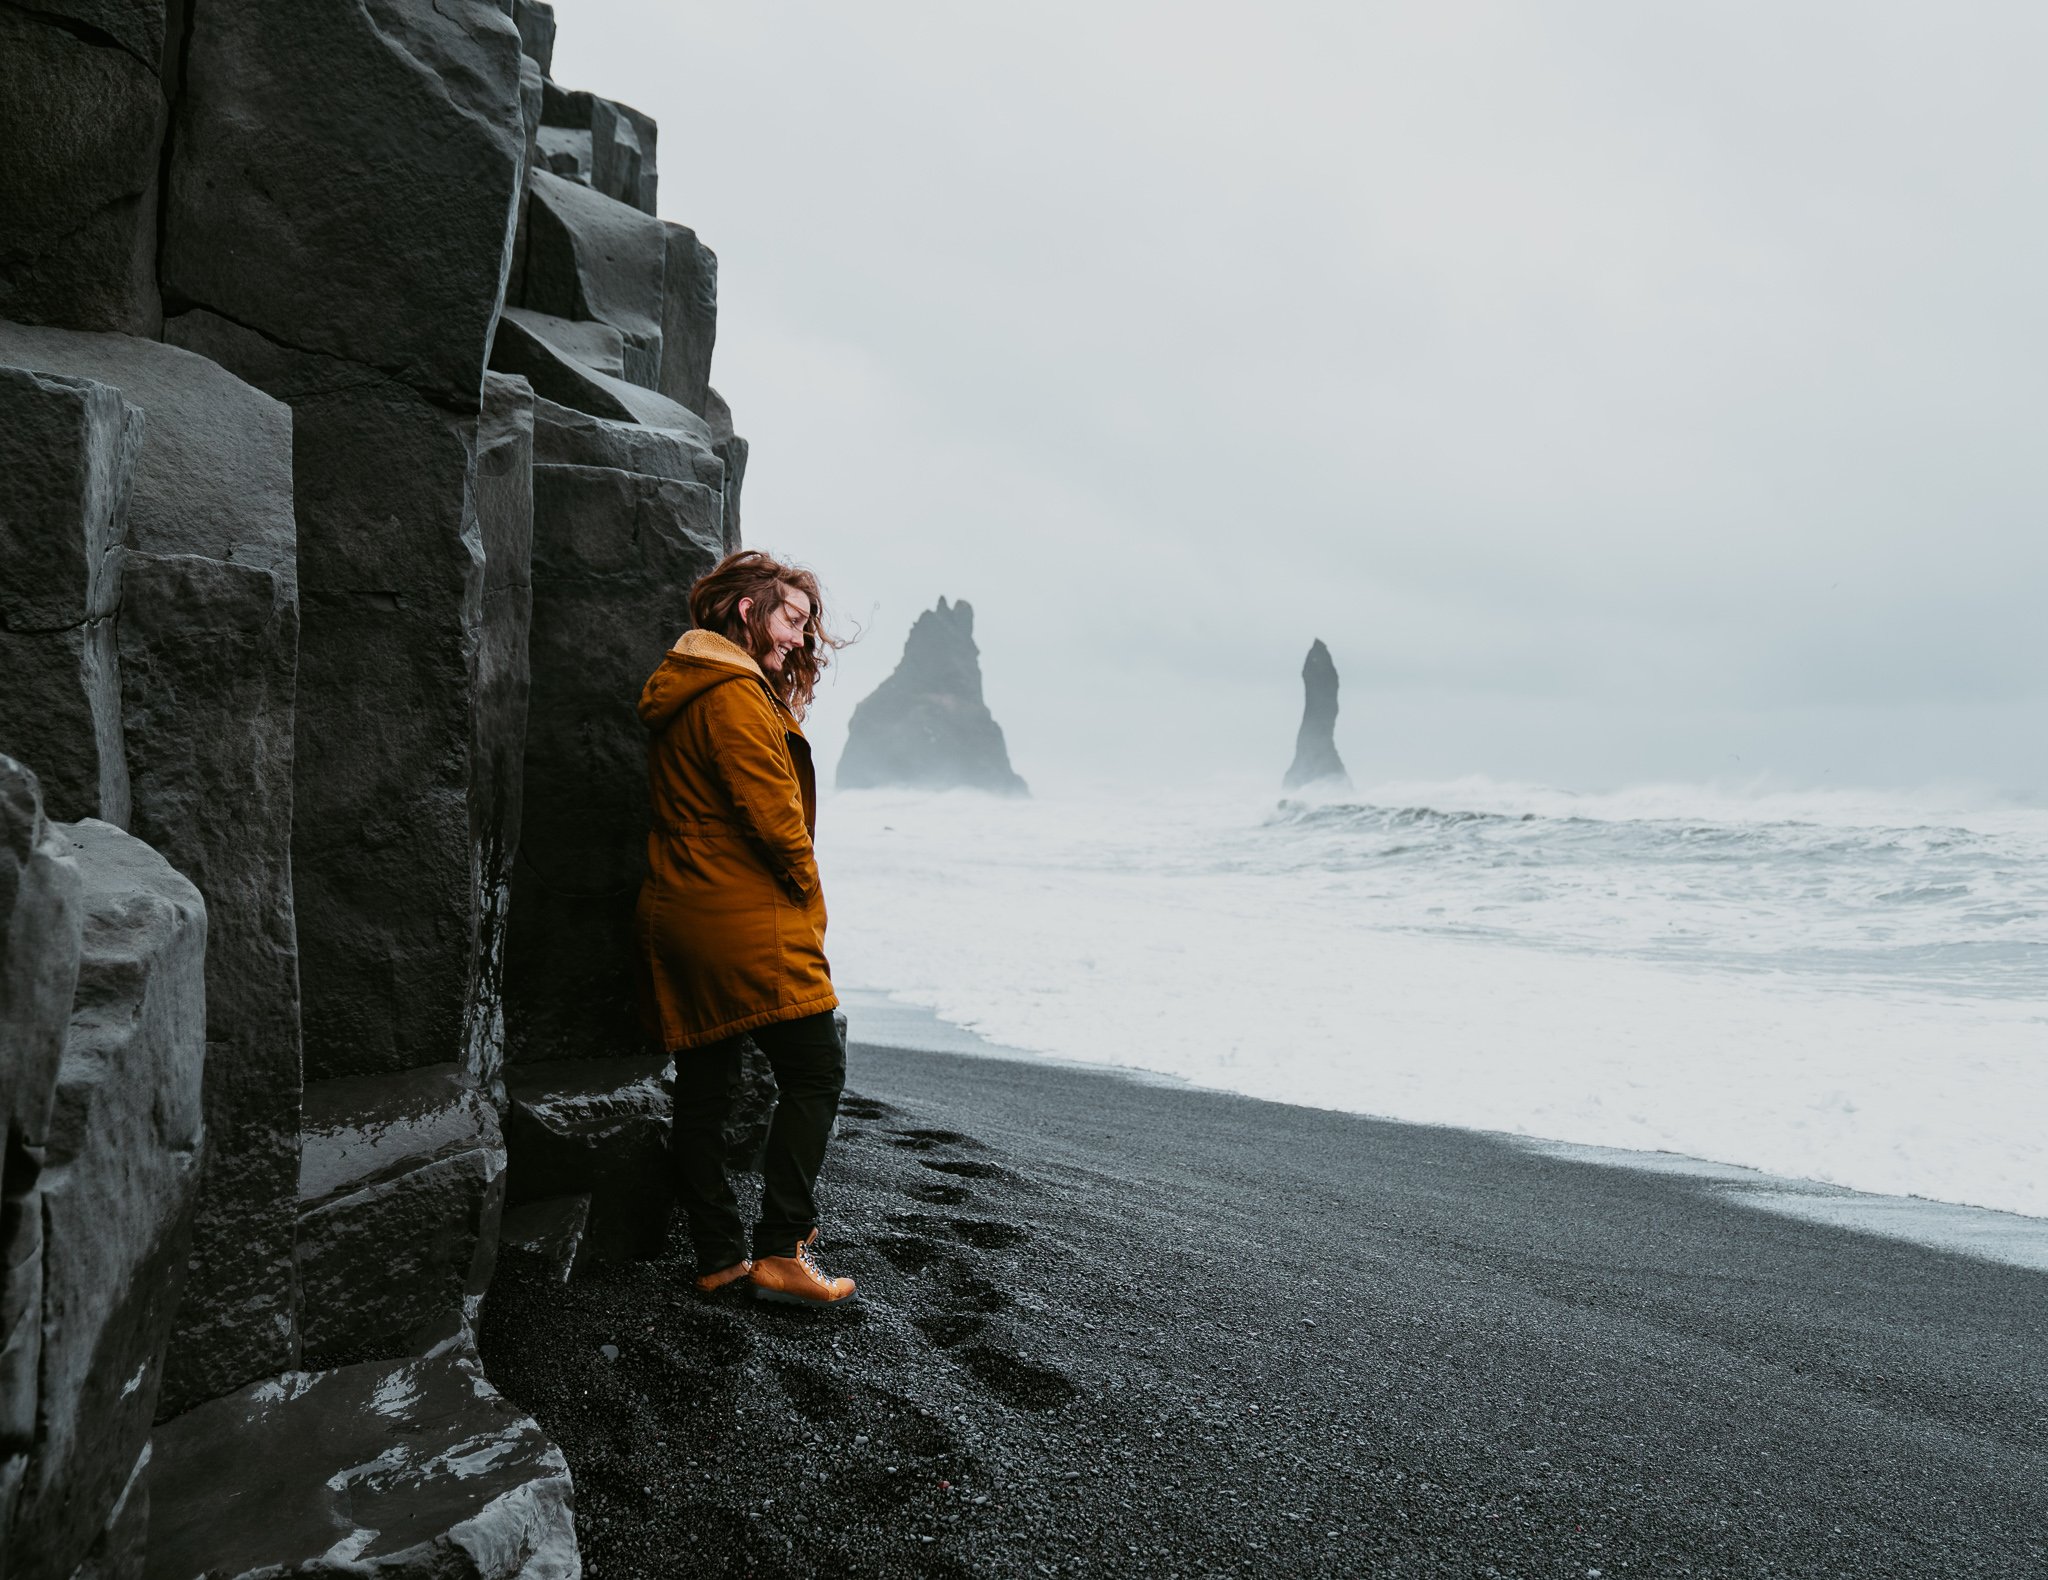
[750, 574]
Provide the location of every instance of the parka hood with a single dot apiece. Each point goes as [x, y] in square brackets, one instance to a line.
[693, 667]
[699, 661]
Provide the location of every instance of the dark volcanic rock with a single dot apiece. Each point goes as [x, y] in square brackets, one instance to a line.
[209, 658]
[41, 915]
[599, 348]
[551, 1230]
[614, 555]
[535, 20]
[621, 158]
[399, 1198]
[209, 652]
[926, 725]
[134, 25]
[344, 179]
[596, 1128]
[213, 474]
[81, 119]
[753, 1097]
[504, 489]
[412, 1471]
[68, 449]
[564, 152]
[564, 436]
[1315, 746]
[585, 256]
[532, 89]
[689, 318]
[547, 352]
[388, 877]
[731, 451]
[119, 1172]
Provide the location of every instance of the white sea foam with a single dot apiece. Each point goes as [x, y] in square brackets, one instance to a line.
[1837, 986]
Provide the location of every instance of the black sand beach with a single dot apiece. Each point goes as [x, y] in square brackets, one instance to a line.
[1114, 1328]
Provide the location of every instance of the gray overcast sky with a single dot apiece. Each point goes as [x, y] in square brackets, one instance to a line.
[1623, 391]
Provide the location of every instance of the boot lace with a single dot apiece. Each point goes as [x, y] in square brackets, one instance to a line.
[806, 1253]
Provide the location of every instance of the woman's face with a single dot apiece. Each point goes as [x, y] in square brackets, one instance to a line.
[785, 627]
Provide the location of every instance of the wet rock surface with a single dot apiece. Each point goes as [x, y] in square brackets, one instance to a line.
[927, 725]
[596, 1128]
[41, 915]
[68, 450]
[504, 508]
[552, 1231]
[208, 654]
[119, 1170]
[416, 1470]
[1315, 743]
[208, 640]
[400, 1193]
[1112, 1328]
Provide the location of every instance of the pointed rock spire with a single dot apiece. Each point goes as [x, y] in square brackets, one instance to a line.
[1315, 746]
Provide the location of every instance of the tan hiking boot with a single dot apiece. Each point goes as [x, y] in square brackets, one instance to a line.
[797, 1279]
[724, 1278]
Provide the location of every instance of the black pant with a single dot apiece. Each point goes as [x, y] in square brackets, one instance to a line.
[810, 1071]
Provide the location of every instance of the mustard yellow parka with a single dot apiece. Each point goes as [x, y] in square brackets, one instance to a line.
[731, 920]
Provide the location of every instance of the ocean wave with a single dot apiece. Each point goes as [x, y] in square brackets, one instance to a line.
[1840, 986]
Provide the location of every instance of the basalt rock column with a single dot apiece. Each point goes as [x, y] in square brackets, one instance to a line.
[1315, 746]
[209, 655]
[927, 725]
[633, 499]
[367, 305]
[497, 785]
[41, 914]
[68, 448]
[119, 1171]
[689, 319]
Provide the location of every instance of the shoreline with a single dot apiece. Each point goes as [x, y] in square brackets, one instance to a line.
[1989, 1233]
[1108, 1327]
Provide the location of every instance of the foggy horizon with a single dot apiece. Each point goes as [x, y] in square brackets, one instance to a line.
[1622, 398]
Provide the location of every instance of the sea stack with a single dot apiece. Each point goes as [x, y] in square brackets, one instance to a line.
[1315, 746]
[926, 725]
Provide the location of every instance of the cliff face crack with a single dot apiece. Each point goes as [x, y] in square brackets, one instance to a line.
[9, 628]
[55, 241]
[178, 52]
[351, 368]
[80, 29]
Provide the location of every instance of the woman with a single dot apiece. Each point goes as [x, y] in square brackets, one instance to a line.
[731, 920]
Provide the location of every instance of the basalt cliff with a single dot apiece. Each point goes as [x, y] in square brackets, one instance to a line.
[357, 452]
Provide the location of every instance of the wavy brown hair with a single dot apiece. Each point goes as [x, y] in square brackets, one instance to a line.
[750, 574]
